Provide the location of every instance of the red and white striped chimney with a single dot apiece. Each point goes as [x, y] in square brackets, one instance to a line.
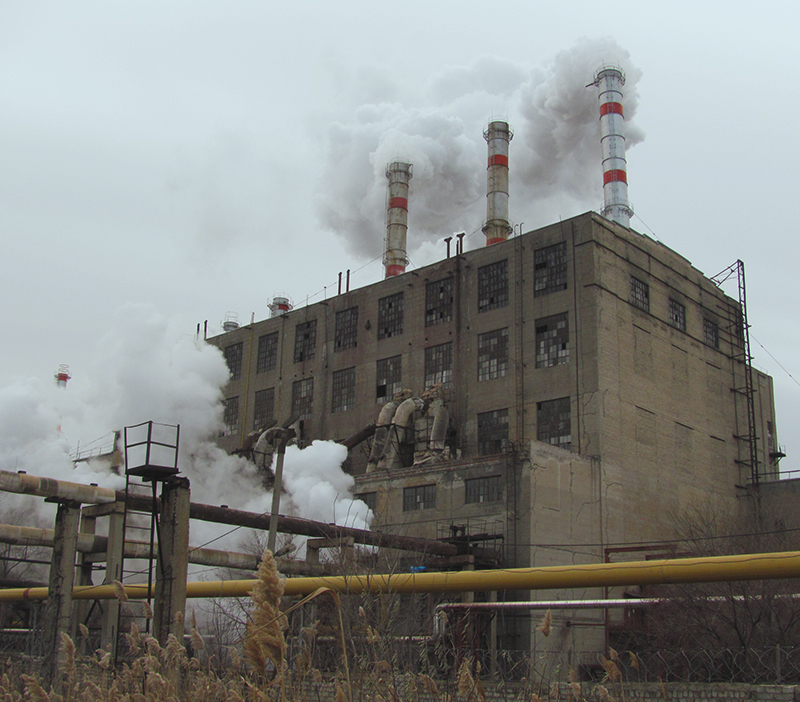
[62, 376]
[497, 228]
[609, 81]
[395, 259]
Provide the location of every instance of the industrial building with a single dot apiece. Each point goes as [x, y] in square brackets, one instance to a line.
[541, 400]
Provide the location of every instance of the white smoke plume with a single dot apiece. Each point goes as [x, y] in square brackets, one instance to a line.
[143, 371]
[555, 157]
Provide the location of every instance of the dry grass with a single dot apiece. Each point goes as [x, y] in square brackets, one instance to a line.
[348, 651]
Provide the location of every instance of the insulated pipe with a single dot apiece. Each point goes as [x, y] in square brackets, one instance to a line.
[57, 489]
[395, 259]
[402, 417]
[381, 431]
[609, 80]
[441, 418]
[497, 228]
[751, 566]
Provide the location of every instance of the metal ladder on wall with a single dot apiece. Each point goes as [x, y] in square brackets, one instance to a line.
[739, 335]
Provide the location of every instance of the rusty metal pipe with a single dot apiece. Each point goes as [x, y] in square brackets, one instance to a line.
[301, 527]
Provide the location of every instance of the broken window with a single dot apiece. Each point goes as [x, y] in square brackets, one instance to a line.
[493, 286]
[390, 316]
[346, 332]
[305, 340]
[388, 378]
[486, 489]
[550, 269]
[230, 416]
[267, 356]
[553, 422]
[370, 499]
[492, 432]
[420, 497]
[552, 340]
[439, 302]
[439, 365]
[640, 294]
[344, 390]
[711, 333]
[302, 397]
[677, 314]
[233, 357]
[493, 354]
[263, 408]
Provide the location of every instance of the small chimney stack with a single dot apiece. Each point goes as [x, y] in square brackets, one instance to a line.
[395, 259]
[281, 305]
[609, 81]
[62, 376]
[497, 228]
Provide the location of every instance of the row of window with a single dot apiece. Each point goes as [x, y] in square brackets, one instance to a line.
[552, 348]
[676, 314]
[476, 490]
[550, 275]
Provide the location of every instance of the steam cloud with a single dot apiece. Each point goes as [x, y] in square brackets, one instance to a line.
[143, 371]
[555, 155]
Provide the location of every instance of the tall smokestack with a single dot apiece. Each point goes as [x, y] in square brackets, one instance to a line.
[609, 80]
[497, 228]
[395, 259]
[62, 376]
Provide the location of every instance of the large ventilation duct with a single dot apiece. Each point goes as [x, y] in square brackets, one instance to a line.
[395, 259]
[609, 81]
[497, 228]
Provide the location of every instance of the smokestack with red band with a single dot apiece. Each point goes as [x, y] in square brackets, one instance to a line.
[497, 228]
[395, 259]
[609, 80]
[62, 376]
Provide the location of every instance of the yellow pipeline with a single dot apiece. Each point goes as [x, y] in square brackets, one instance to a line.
[755, 566]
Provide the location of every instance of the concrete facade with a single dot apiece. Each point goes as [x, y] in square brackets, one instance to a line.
[617, 403]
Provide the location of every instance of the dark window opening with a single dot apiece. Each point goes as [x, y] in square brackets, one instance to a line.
[493, 354]
[370, 499]
[420, 497]
[303, 397]
[439, 365]
[233, 357]
[344, 390]
[552, 340]
[438, 302]
[553, 422]
[305, 341]
[388, 378]
[550, 269]
[263, 408]
[677, 315]
[711, 333]
[492, 432]
[267, 357]
[346, 332]
[230, 416]
[640, 294]
[390, 316]
[493, 286]
[486, 489]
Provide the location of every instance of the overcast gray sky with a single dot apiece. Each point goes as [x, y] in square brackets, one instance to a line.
[202, 156]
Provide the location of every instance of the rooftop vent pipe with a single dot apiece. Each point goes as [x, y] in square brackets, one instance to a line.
[395, 259]
[62, 376]
[231, 322]
[497, 228]
[280, 305]
[609, 81]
